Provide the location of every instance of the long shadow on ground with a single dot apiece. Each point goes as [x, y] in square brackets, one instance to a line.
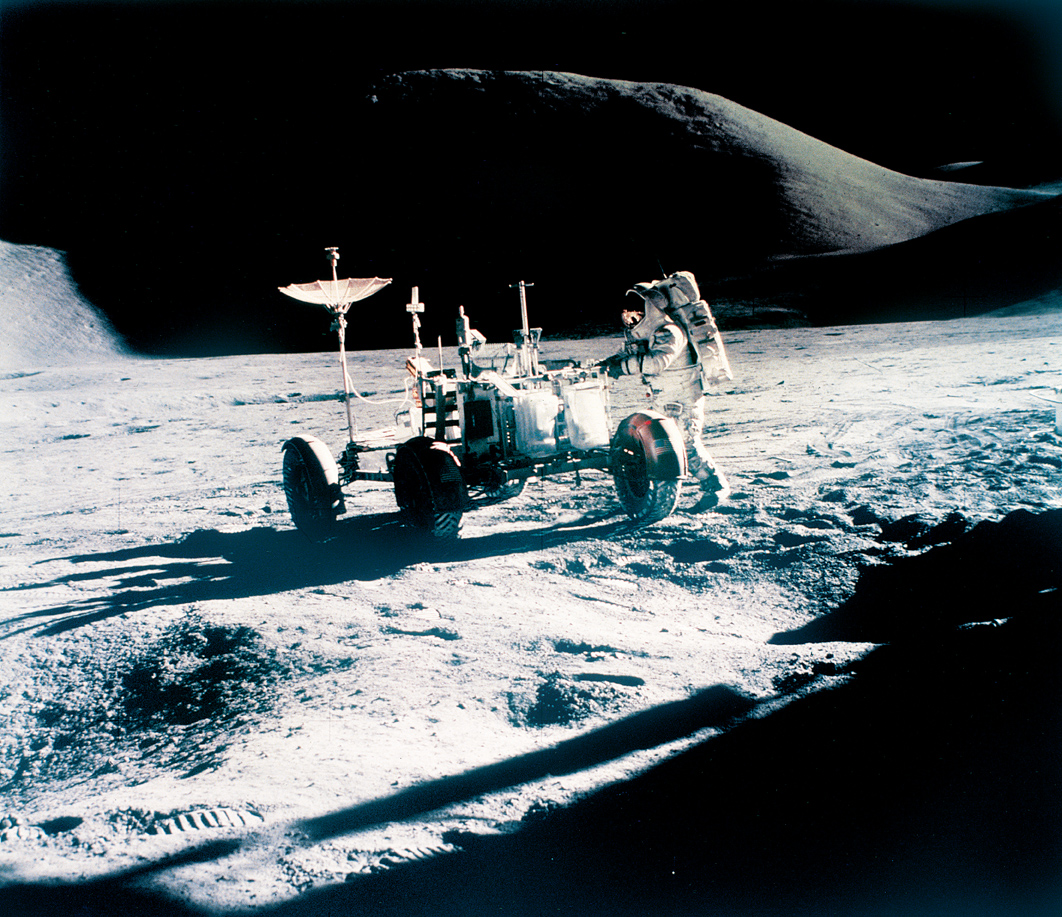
[929, 782]
[208, 564]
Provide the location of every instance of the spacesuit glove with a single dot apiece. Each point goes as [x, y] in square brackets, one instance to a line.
[613, 366]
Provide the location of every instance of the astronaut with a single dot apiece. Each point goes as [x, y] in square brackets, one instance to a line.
[659, 349]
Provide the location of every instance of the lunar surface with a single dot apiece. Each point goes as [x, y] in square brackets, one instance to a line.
[836, 687]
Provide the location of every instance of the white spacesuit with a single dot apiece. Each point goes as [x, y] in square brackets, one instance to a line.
[659, 349]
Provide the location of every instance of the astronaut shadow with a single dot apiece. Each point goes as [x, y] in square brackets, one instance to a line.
[208, 564]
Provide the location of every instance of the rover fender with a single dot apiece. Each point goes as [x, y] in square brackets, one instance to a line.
[660, 440]
[310, 447]
[443, 470]
[311, 486]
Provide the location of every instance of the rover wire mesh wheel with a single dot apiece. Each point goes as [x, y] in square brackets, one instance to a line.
[310, 499]
[424, 494]
[644, 499]
[501, 492]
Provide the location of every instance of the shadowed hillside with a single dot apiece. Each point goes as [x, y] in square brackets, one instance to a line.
[191, 157]
[999, 262]
[670, 168]
[463, 181]
[618, 181]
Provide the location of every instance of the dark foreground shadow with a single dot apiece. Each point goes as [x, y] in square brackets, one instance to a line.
[116, 894]
[712, 707]
[208, 564]
[993, 571]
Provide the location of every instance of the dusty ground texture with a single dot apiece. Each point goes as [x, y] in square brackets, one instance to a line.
[768, 708]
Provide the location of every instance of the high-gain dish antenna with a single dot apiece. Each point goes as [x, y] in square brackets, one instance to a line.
[337, 296]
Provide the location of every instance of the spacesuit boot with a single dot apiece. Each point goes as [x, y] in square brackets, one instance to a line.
[714, 488]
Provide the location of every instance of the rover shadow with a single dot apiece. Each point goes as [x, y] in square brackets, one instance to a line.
[208, 564]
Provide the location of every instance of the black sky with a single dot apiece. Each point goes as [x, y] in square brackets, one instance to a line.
[198, 153]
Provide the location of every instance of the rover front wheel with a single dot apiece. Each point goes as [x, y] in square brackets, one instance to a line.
[644, 500]
[310, 497]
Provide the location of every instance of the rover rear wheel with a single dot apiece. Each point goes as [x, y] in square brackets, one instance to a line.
[502, 492]
[645, 494]
[428, 487]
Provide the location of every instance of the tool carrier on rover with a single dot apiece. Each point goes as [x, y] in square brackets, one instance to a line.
[477, 432]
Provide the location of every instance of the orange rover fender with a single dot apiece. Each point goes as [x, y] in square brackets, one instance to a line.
[660, 440]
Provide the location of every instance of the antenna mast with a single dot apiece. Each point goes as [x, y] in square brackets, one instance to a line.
[527, 337]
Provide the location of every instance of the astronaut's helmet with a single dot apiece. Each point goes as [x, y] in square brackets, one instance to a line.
[641, 322]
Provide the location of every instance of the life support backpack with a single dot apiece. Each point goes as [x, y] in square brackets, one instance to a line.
[684, 304]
